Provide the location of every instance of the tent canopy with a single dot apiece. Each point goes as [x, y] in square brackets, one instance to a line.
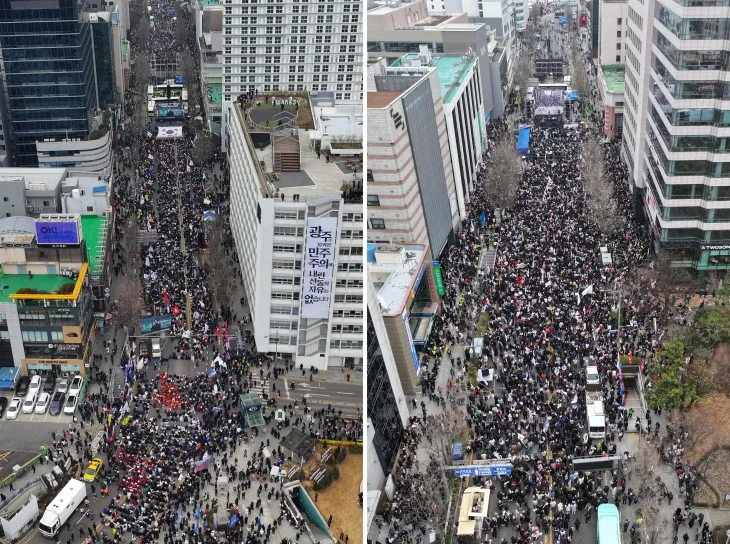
[523, 141]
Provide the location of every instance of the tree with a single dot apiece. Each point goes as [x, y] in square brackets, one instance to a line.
[672, 385]
[142, 32]
[203, 149]
[503, 174]
[599, 190]
[671, 282]
[424, 488]
[523, 71]
[222, 280]
[128, 304]
[656, 521]
[578, 77]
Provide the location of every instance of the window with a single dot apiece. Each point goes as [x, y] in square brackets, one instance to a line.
[618, 33]
[285, 231]
[283, 265]
[5, 199]
[377, 224]
[56, 336]
[35, 336]
[618, 47]
[619, 21]
[618, 58]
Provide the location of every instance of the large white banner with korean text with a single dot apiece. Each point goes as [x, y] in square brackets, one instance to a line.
[319, 267]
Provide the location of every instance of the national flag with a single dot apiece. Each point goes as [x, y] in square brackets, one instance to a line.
[233, 521]
[588, 290]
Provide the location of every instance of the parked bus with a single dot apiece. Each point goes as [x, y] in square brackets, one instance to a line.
[609, 524]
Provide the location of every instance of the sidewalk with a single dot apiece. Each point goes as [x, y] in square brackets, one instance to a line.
[331, 375]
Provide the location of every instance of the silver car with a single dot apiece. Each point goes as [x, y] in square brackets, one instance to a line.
[63, 386]
[41, 406]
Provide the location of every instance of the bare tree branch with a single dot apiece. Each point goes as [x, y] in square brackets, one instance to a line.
[503, 175]
[599, 190]
[217, 260]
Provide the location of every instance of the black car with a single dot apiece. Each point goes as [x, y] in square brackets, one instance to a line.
[56, 403]
[21, 389]
[3, 405]
[49, 384]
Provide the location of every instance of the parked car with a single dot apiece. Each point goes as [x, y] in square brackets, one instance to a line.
[70, 406]
[75, 386]
[49, 384]
[14, 408]
[56, 403]
[3, 405]
[21, 389]
[35, 385]
[29, 403]
[41, 406]
[63, 386]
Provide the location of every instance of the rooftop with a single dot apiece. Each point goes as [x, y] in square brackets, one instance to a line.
[613, 75]
[215, 92]
[316, 179]
[382, 99]
[50, 177]
[433, 20]
[451, 69]
[92, 230]
[395, 275]
[12, 283]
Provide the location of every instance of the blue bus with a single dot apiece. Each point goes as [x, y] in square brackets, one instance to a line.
[609, 524]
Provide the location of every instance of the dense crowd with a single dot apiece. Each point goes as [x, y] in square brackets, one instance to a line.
[549, 299]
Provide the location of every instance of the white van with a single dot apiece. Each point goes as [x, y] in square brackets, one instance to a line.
[156, 349]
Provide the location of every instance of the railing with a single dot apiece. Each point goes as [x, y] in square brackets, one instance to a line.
[10, 478]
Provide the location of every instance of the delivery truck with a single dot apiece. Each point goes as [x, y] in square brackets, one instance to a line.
[64, 504]
[596, 416]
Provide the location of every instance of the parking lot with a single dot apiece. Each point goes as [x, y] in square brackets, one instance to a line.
[61, 419]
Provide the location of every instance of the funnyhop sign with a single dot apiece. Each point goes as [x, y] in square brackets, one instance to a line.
[319, 267]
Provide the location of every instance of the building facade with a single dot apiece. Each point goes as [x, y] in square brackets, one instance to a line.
[46, 306]
[291, 46]
[387, 408]
[411, 191]
[91, 154]
[272, 236]
[675, 123]
[48, 71]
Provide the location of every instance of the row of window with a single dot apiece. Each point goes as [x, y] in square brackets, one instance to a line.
[346, 344]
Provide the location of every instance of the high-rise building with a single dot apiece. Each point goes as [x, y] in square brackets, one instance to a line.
[674, 137]
[411, 191]
[291, 46]
[48, 73]
[306, 300]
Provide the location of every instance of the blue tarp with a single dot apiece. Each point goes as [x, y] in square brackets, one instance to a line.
[523, 141]
[571, 95]
[563, 20]
[8, 376]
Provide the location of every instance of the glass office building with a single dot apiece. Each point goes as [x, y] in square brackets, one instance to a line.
[48, 63]
[382, 405]
[102, 31]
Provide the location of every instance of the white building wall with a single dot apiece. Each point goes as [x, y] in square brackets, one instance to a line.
[610, 44]
[84, 155]
[271, 251]
[375, 475]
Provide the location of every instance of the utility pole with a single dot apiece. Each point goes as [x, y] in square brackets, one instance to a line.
[183, 249]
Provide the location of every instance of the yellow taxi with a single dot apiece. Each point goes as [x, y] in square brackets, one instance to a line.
[93, 469]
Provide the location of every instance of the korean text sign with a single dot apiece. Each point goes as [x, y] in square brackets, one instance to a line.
[319, 267]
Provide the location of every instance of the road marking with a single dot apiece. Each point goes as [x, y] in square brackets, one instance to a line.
[319, 395]
[343, 393]
[286, 388]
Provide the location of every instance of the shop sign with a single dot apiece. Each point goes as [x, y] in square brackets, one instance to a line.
[715, 248]
[439, 278]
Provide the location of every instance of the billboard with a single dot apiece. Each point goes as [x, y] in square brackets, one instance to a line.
[57, 233]
[319, 267]
[155, 323]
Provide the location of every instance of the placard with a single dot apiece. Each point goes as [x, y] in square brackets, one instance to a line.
[319, 267]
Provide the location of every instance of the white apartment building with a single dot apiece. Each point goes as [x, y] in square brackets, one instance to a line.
[273, 229]
[280, 46]
[613, 25]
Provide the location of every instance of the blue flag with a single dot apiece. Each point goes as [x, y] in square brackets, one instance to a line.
[233, 521]
[483, 219]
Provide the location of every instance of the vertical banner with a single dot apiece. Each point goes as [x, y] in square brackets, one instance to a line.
[319, 267]
[439, 278]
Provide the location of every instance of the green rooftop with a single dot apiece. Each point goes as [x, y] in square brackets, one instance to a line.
[215, 92]
[12, 283]
[92, 229]
[613, 75]
[451, 69]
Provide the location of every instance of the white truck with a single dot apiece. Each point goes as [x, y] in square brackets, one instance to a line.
[596, 416]
[64, 504]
